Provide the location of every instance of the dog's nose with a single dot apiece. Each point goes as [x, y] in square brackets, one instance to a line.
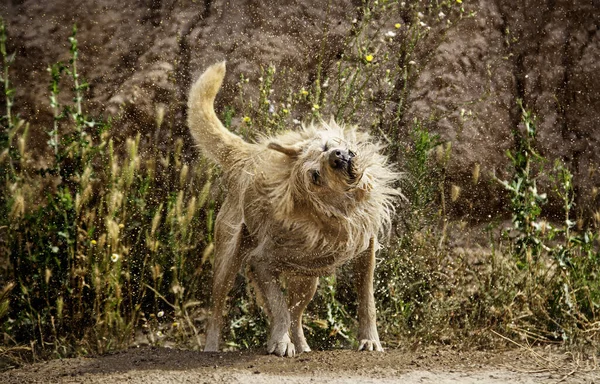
[338, 158]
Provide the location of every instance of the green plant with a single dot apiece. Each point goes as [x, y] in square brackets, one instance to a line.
[406, 274]
[526, 201]
[552, 287]
[113, 241]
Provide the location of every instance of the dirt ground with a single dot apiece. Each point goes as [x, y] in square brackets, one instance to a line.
[423, 365]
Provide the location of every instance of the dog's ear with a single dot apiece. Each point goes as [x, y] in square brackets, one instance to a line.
[291, 151]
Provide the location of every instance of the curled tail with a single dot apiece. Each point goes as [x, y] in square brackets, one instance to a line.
[216, 142]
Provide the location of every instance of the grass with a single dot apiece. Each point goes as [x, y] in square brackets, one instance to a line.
[114, 240]
[109, 245]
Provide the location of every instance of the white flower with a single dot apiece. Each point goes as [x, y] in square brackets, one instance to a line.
[390, 34]
[422, 24]
[114, 257]
[420, 15]
[296, 121]
[160, 314]
[441, 15]
[412, 62]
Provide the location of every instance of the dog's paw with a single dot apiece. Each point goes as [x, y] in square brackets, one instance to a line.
[300, 343]
[370, 345]
[282, 348]
[303, 348]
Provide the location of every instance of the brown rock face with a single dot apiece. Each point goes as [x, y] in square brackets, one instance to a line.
[141, 55]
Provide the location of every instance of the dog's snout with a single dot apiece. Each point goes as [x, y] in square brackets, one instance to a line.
[338, 158]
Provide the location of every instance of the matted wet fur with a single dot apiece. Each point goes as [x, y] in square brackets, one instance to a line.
[298, 205]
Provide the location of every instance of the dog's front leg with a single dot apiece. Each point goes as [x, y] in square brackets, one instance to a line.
[364, 269]
[301, 290]
[267, 281]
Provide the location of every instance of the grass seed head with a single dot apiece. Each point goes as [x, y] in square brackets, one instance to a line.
[454, 192]
[47, 275]
[160, 115]
[17, 209]
[183, 175]
[475, 173]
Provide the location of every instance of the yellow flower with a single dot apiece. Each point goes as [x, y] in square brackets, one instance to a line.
[247, 119]
[93, 242]
[303, 92]
[459, 1]
[369, 58]
[397, 25]
[121, 226]
[285, 110]
[315, 106]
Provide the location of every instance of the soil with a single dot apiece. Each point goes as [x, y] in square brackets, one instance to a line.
[421, 365]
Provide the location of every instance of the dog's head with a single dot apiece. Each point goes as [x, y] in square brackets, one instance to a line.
[330, 171]
[331, 161]
[326, 164]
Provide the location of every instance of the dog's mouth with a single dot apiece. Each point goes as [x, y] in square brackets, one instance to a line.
[350, 171]
[343, 161]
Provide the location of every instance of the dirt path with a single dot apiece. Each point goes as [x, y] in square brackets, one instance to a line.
[436, 366]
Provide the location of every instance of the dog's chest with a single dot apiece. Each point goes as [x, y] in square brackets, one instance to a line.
[311, 249]
[304, 242]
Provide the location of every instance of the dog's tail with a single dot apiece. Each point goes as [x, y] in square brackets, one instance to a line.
[215, 141]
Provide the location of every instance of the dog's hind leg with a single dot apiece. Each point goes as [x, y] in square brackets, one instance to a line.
[228, 260]
[364, 269]
[301, 291]
[267, 281]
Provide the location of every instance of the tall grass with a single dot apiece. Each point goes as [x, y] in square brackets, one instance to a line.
[100, 241]
[111, 244]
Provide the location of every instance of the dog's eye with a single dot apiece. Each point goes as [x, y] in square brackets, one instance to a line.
[315, 176]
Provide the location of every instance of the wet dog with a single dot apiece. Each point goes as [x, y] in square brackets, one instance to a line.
[298, 205]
